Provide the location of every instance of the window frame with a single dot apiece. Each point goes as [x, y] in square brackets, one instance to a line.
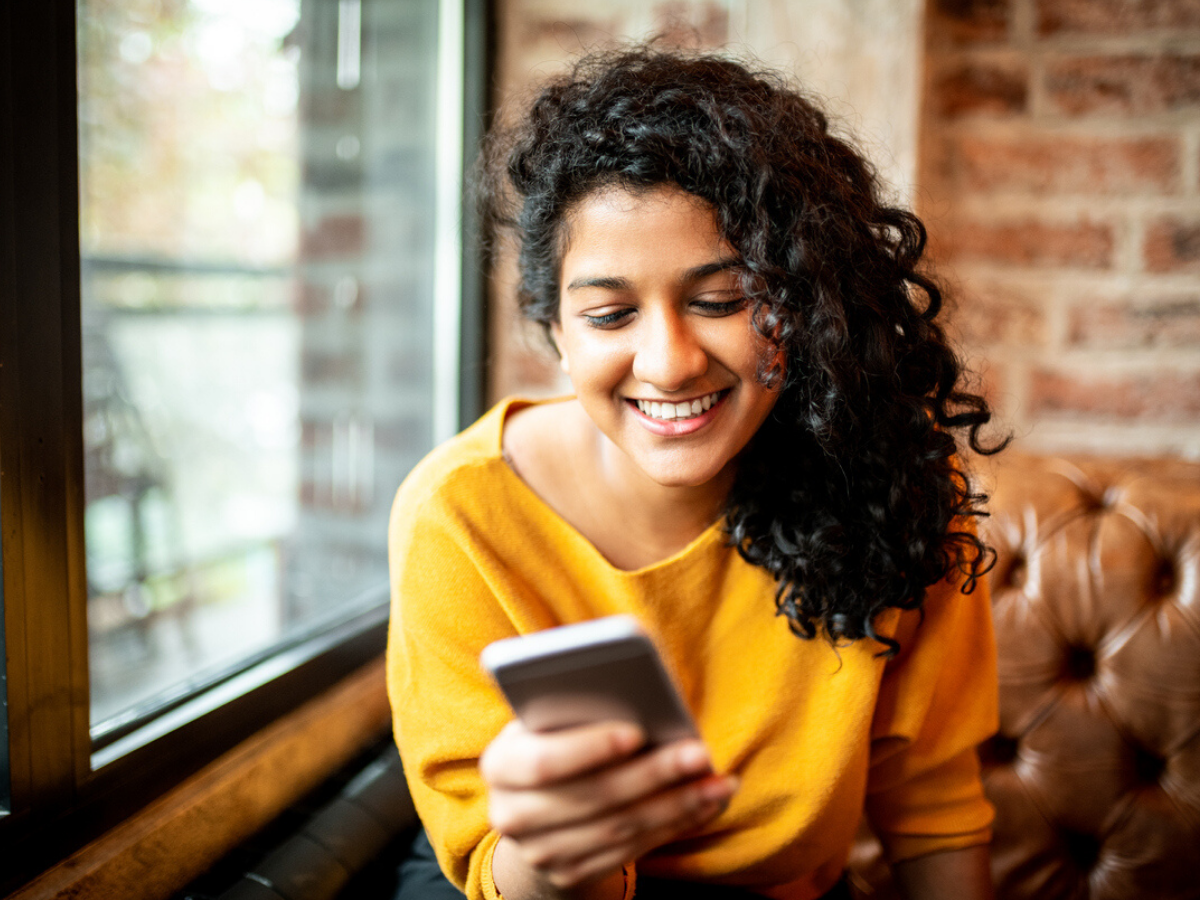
[59, 800]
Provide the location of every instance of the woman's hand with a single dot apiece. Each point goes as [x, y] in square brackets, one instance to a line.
[574, 806]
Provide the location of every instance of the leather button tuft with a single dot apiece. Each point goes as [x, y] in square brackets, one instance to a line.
[1080, 663]
[1099, 500]
[999, 751]
[1015, 572]
[1082, 849]
[1166, 578]
[1148, 766]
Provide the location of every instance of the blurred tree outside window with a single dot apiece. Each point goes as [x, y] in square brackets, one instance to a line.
[256, 181]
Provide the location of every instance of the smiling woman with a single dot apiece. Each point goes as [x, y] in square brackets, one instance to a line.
[758, 463]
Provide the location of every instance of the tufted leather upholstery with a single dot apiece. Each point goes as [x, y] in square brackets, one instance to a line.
[1095, 773]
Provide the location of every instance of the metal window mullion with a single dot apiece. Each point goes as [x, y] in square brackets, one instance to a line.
[477, 62]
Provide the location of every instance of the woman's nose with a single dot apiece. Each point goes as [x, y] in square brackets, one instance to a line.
[669, 354]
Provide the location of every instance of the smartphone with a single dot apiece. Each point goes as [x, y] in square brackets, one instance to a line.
[602, 670]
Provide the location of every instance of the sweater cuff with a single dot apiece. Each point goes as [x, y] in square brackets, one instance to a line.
[899, 847]
[490, 891]
[487, 883]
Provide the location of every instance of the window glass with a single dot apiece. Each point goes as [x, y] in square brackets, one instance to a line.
[257, 183]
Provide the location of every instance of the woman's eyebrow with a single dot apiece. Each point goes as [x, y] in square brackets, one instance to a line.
[712, 268]
[615, 283]
[607, 282]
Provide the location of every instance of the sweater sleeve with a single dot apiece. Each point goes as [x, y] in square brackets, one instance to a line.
[938, 700]
[451, 596]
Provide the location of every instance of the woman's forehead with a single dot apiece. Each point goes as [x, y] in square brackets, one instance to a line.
[619, 219]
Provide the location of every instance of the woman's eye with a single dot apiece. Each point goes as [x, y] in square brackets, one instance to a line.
[717, 308]
[608, 319]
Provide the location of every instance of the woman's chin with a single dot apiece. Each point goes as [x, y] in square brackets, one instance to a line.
[684, 473]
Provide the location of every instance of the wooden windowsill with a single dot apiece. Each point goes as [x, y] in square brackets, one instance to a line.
[182, 834]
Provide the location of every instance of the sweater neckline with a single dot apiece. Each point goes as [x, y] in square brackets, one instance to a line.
[548, 513]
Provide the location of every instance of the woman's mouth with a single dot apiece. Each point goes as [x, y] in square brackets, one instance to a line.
[667, 411]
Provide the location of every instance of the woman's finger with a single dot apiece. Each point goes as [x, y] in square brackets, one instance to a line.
[520, 758]
[598, 793]
[570, 856]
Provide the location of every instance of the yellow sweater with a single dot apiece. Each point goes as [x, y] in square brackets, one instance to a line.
[814, 734]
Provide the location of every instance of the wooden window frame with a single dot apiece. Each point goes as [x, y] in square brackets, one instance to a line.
[57, 800]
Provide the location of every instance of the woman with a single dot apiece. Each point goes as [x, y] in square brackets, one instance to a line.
[758, 462]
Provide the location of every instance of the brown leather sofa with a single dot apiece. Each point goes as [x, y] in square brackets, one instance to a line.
[1095, 773]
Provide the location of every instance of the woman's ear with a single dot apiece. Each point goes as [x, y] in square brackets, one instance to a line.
[555, 332]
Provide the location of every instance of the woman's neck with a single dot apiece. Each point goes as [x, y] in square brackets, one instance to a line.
[632, 520]
[678, 513]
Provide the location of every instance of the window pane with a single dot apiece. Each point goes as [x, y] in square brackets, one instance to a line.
[257, 188]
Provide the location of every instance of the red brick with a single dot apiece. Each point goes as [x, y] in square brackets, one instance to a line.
[333, 236]
[970, 21]
[993, 385]
[1153, 396]
[536, 370]
[972, 88]
[993, 314]
[571, 35]
[1066, 164]
[685, 24]
[1171, 323]
[1115, 16]
[1136, 85]
[1173, 245]
[1033, 243]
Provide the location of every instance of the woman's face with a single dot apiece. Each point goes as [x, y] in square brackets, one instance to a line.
[655, 335]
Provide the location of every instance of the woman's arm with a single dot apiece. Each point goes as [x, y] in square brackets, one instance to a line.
[574, 806]
[963, 874]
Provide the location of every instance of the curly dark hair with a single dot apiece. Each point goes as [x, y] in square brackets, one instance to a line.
[850, 495]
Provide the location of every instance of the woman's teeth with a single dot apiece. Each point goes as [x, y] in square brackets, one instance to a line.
[656, 410]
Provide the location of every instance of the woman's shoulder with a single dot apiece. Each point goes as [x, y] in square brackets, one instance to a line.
[537, 438]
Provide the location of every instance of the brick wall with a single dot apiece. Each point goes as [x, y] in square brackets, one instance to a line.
[1059, 170]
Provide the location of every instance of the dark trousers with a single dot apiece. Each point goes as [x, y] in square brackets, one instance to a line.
[422, 879]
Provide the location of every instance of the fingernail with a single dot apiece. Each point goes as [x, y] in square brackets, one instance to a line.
[628, 737]
[693, 758]
[719, 789]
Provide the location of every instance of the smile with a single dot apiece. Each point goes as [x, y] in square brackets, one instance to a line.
[673, 411]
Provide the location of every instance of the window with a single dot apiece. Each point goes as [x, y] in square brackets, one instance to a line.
[235, 313]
